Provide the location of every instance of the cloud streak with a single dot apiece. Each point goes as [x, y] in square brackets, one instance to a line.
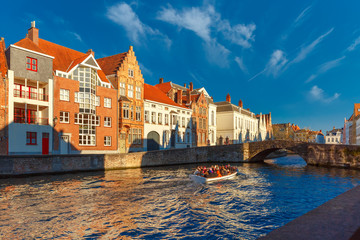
[354, 45]
[323, 68]
[318, 94]
[241, 65]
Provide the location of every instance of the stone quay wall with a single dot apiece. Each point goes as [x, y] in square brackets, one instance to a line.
[314, 154]
[15, 165]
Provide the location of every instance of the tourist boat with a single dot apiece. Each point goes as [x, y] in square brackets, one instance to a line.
[200, 179]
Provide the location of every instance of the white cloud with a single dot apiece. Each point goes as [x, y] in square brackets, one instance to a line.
[217, 53]
[76, 35]
[123, 15]
[239, 34]
[274, 66]
[241, 64]
[305, 51]
[276, 63]
[194, 19]
[302, 14]
[318, 94]
[354, 44]
[323, 68]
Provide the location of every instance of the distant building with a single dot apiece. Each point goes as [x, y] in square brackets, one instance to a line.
[167, 124]
[237, 125]
[334, 136]
[284, 131]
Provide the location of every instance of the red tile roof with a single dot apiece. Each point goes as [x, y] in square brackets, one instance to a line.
[28, 44]
[110, 64]
[165, 87]
[64, 58]
[153, 93]
[3, 64]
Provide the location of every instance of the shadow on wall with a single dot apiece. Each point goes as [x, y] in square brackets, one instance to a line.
[29, 136]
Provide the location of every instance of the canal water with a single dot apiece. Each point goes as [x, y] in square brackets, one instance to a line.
[163, 203]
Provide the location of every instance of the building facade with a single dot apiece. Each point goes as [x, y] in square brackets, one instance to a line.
[236, 124]
[3, 100]
[167, 124]
[335, 136]
[55, 100]
[124, 73]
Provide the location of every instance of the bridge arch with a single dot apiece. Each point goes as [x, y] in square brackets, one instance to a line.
[258, 151]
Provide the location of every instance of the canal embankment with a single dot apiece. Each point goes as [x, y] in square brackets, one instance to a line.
[337, 219]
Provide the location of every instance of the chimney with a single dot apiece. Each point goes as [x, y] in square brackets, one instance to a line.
[161, 80]
[33, 33]
[191, 86]
[240, 103]
[228, 98]
[188, 94]
[90, 51]
[184, 85]
[179, 97]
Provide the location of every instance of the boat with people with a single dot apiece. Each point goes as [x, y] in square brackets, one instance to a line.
[214, 173]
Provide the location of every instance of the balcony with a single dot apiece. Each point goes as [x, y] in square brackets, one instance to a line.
[31, 95]
[31, 120]
[30, 116]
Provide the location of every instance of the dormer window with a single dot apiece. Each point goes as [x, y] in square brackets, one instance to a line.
[31, 64]
[131, 72]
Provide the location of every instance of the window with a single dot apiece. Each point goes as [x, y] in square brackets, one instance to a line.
[97, 101]
[131, 72]
[130, 91]
[76, 97]
[160, 118]
[138, 93]
[126, 110]
[107, 141]
[138, 113]
[188, 137]
[64, 94]
[166, 119]
[31, 64]
[174, 120]
[153, 117]
[107, 102]
[107, 121]
[64, 117]
[122, 89]
[31, 138]
[183, 122]
[147, 116]
[97, 121]
[188, 122]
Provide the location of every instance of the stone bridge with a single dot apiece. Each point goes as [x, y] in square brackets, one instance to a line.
[314, 154]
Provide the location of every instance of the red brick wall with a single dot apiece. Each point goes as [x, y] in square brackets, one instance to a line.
[3, 116]
[72, 107]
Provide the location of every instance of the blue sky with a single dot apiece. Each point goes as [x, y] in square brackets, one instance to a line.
[299, 60]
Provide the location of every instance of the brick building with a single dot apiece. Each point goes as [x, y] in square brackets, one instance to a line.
[284, 131]
[194, 100]
[3, 100]
[124, 73]
[59, 100]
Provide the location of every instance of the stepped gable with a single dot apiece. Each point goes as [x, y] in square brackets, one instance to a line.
[153, 93]
[3, 63]
[111, 64]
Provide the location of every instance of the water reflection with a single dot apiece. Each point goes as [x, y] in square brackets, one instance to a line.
[164, 203]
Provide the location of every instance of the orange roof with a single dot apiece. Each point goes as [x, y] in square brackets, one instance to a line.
[110, 64]
[77, 61]
[64, 56]
[102, 76]
[165, 87]
[28, 44]
[153, 93]
[3, 64]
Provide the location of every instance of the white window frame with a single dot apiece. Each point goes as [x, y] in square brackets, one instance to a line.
[107, 141]
[130, 91]
[107, 121]
[64, 94]
[64, 117]
[131, 72]
[97, 101]
[122, 89]
[138, 93]
[107, 102]
[147, 116]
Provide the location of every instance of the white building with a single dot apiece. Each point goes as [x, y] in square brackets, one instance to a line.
[335, 136]
[238, 124]
[167, 124]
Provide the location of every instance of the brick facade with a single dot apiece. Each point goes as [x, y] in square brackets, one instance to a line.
[3, 100]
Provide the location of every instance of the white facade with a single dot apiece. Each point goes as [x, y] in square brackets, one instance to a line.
[238, 125]
[335, 137]
[170, 123]
[39, 123]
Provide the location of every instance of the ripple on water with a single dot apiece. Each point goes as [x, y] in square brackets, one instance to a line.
[163, 203]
